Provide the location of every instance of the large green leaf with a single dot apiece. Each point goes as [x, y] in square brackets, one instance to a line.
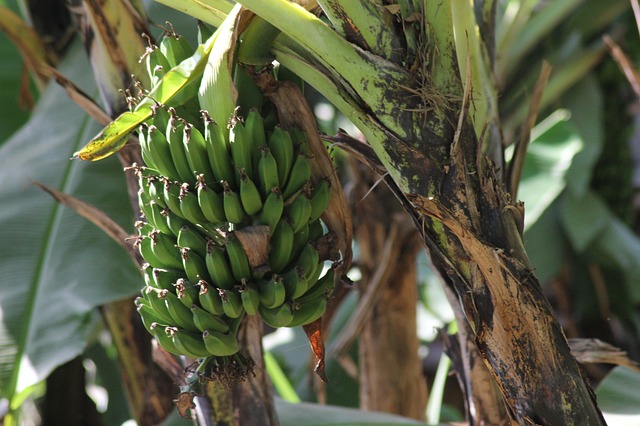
[12, 116]
[324, 415]
[55, 266]
[619, 397]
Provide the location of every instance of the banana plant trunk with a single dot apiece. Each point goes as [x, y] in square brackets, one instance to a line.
[387, 344]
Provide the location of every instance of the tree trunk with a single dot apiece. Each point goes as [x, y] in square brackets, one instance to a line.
[388, 343]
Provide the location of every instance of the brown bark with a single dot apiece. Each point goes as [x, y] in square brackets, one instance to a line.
[248, 403]
[391, 378]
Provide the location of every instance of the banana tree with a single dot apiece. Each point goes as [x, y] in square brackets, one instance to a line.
[420, 82]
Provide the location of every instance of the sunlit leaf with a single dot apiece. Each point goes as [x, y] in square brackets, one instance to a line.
[619, 397]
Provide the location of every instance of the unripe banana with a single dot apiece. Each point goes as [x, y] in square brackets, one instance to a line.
[206, 321]
[320, 198]
[250, 297]
[238, 259]
[174, 134]
[231, 303]
[218, 151]
[173, 221]
[308, 312]
[156, 300]
[160, 153]
[299, 176]
[211, 204]
[272, 210]
[165, 278]
[272, 292]
[219, 268]
[180, 314]
[164, 249]
[187, 293]
[171, 193]
[189, 206]
[308, 260]
[240, 145]
[280, 316]
[147, 314]
[158, 219]
[267, 171]
[233, 210]
[163, 339]
[189, 344]
[144, 245]
[220, 344]
[175, 48]
[254, 127]
[188, 237]
[154, 187]
[144, 141]
[195, 147]
[210, 298]
[295, 282]
[249, 195]
[194, 266]
[299, 211]
[156, 63]
[321, 288]
[280, 244]
[300, 239]
[281, 146]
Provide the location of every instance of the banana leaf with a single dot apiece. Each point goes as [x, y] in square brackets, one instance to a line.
[56, 267]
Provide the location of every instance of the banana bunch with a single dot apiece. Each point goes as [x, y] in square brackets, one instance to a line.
[202, 185]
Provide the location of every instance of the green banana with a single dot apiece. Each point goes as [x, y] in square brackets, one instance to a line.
[159, 333]
[280, 316]
[249, 194]
[267, 171]
[299, 176]
[186, 292]
[188, 237]
[316, 230]
[143, 140]
[233, 210]
[231, 303]
[158, 219]
[211, 203]
[320, 198]
[218, 151]
[175, 48]
[240, 145]
[295, 282]
[173, 221]
[156, 63]
[220, 344]
[321, 288]
[300, 239]
[144, 245]
[175, 134]
[280, 244]
[299, 211]
[300, 141]
[165, 278]
[194, 266]
[160, 153]
[155, 299]
[164, 249]
[171, 194]
[189, 206]
[180, 314]
[308, 260]
[210, 298]
[308, 312]
[147, 314]
[272, 210]
[153, 188]
[250, 297]
[254, 127]
[219, 268]
[272, 292]
[204, 320]
[189, 344]
[195, 148]
[238, 259]
[281, 147]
